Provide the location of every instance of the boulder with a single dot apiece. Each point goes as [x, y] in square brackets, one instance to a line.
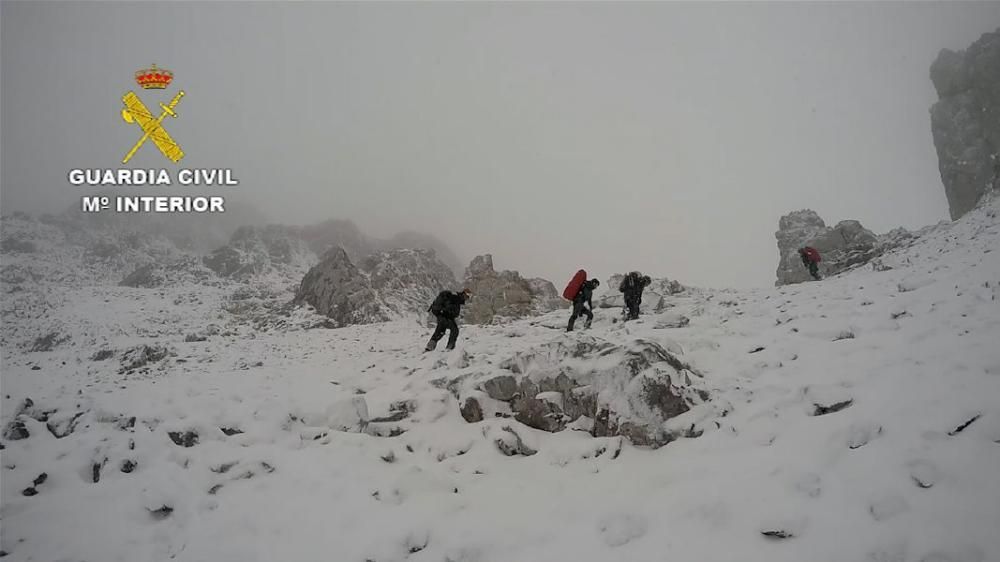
[629, 390]
[505, 294]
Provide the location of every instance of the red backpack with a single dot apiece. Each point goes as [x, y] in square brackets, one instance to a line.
[569, 293]
[812, 254]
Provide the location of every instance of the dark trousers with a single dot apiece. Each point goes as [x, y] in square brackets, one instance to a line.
[444, 323]
[632, 303]
[813, 267]
[579, 310]
[814, 270]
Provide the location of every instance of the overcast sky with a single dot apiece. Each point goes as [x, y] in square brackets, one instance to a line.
[666, 137]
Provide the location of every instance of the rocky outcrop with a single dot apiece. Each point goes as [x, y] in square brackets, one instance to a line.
[383, 286]
[407, 280]
[638, 390]
[505, 294]
[965, 122]
[336, 288]
[842, 247]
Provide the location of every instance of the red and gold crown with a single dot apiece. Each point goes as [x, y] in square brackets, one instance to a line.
[153, 78]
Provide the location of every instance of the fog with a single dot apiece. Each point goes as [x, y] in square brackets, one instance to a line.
[666, 137]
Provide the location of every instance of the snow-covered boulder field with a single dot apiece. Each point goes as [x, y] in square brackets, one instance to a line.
[852, 419]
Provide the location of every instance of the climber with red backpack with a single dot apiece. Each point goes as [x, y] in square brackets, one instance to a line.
[811, 258]
[581, 291]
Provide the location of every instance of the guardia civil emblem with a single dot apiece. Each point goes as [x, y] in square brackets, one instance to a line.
[135, 111]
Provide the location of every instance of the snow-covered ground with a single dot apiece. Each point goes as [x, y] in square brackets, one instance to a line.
[904, 467]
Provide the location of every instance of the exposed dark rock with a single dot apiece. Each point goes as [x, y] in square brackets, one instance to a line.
[65, 426]
[102, 355]
[778, 534]
[964, 425]
[184, 439]
[501, 387]
[822, 410]
[16, 431]
[48, 342]
[230, 431]
[128, 465]
[142, 356]
[662, 398]
[539, 414]
[471, 410]
[510, 443]
[96, 470]
[30, 491]
[162, 512]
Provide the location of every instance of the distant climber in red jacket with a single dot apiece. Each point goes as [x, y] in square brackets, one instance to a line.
[810, 258]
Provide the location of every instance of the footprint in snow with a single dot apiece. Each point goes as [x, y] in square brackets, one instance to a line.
[621, 528]
[888, 507]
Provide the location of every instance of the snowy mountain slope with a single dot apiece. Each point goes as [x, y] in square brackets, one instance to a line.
[854, 419]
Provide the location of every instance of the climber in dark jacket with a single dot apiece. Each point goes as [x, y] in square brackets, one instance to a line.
[583, 296]
[446, 308]
[810, 258]
[632, 286]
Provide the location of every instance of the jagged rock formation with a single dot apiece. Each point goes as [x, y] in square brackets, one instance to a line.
[965, 121]
[842, 247]
[589, 384]
[336, 288]
[655, 297]
[505, 294]
[382, 287]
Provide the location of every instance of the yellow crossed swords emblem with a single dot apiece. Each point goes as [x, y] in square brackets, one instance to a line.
[135, 112]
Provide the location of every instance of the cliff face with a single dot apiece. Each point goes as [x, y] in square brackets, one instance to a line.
[965, 122]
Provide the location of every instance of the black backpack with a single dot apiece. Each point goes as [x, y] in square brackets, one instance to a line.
[437, 307]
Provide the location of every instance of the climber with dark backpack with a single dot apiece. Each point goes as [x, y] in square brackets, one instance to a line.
[631, 287]
[446, 308]
[580, 291]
